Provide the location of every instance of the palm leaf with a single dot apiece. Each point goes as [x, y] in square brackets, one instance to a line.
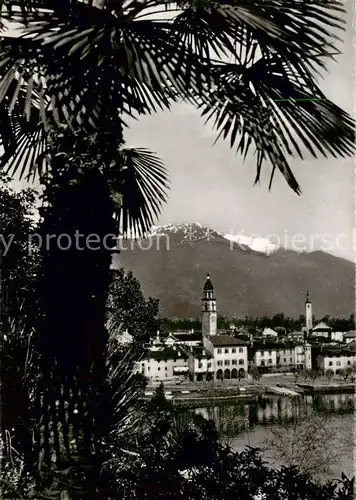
[140, 180]
[260, 105]
[91, 60]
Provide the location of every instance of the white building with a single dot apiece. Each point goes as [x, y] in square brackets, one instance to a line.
[201, 364]
[268, 332]
[336, 359]
[165, 364]
[230, 356]
[321, 330]
[337, 336]
[265, 356]
[349, 337]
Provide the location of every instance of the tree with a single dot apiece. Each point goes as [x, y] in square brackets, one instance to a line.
[18, 271]
[329, 374]
[296, 374]
[64, 101]
[255, 373]
[169, 461]
[301, 444]
[128, 309]
[313, 375]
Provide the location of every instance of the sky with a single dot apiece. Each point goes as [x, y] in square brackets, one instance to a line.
[210, 184]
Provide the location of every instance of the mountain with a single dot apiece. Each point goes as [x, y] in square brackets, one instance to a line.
[172, 263]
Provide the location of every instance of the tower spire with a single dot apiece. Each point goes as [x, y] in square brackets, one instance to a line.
[308, 313]
[208, 308]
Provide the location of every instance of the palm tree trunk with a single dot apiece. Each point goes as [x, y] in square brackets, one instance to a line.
[72, 398]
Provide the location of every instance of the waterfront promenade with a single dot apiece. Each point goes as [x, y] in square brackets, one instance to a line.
[283, 384]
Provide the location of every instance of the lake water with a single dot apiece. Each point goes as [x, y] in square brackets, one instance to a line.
[251, 424]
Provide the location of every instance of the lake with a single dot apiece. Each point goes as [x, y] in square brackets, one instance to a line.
[252, 423]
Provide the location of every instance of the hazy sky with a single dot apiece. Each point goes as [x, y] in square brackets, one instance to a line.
[210, 184]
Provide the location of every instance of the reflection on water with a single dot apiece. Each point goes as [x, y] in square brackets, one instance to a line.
[270, 409]
[245, 424]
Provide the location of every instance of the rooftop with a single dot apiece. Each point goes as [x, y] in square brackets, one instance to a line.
[187, 337]
[322, 327]
[208, 285]
[166, 354]
[200, 352]
[225, 340]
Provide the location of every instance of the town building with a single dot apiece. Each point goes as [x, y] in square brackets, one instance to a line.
[336, 358]
[164, 364]
[200, 364]
[321, 330]
[213, 354]
[349, 337]
[229, 354]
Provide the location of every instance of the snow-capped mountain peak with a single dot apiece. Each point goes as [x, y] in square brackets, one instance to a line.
[258, 244]
[194, 231]
[190, 231]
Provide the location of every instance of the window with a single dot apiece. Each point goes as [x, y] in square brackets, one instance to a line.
[269, 353]
[291, 361]
[166, 368]
[166, 375]
[284, 360]
[234, 361]
[349, 362]
[262, 353]
[159, 368]
[241, 349]
[262, 363]
[233, 350]
[227, 362]
[241, 361]
[226, 351]
[200, 365]
[270, 361]
[209, 365]
[330, 363]
[338, 363]
[219, 363]
[219, 351]
[149, 368]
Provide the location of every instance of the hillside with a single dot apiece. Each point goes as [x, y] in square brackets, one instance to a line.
[172, 264]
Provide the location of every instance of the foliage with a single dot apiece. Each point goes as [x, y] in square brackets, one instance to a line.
[101, 60]
[128, 309]
[259, 323]
[346, 373]
[255, 373]
[19, 265]
[168, 461]
[302, 444]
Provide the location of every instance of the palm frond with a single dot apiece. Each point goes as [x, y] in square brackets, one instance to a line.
[266, 104]
[126, 386]
[141, 181]
[79, 60]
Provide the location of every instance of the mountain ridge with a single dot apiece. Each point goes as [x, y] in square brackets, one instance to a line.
[172, 262]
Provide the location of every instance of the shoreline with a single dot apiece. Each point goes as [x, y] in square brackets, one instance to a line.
[198, 396]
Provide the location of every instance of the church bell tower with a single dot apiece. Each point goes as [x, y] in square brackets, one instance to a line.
[308, 314]
[209, 319]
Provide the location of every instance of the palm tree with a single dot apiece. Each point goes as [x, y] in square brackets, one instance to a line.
[67, 84]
